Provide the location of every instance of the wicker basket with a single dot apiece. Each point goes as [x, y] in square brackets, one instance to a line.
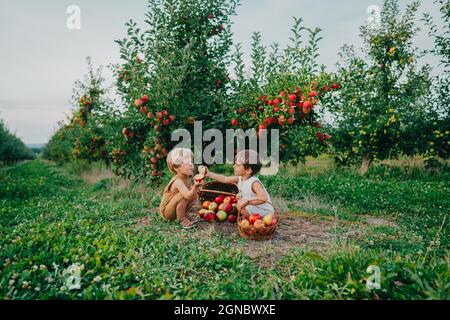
[213, 189]
[251, 233]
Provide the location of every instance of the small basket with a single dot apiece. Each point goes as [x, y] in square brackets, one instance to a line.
[251, 233]
[213, 189]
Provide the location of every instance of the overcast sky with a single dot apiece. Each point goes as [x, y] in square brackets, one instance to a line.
[40, 58]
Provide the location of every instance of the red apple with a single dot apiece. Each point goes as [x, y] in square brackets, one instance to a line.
[199, 177]
[206, 204]
[254, 217]
[219, 199]
[138, 102]
[144, 99]
[201, 213]
[234, 122]
[228, 207]
[227, 200]
[209, 216]
[232, 218]
[292, 97]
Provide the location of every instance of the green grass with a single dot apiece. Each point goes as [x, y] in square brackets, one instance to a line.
[51, 220]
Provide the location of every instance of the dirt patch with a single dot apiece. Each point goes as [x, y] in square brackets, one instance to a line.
[293, 232]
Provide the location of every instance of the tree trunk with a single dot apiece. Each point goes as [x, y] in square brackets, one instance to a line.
[365, 165]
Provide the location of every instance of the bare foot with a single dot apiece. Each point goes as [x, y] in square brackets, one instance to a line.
[186, 223]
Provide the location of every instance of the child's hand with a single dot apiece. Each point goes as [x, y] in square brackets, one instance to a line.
[241, 204]
[199, 183]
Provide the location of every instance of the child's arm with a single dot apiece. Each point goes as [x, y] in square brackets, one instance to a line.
[185, 192]
[221, 178]
[261, 196]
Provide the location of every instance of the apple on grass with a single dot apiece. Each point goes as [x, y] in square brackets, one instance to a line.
[201, 213]
[210, 216]
[244, 223]
[221, 215]
[219, 199]
[228, 208]
[206, 204]
[213, 206]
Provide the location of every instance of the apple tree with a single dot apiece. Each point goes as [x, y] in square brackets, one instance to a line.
[172, 73]
[437, 131]
[286, 90]
[382, 89]
[84, 135]
[12, 149]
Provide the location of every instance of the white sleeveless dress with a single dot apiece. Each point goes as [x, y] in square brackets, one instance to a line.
[245, 189]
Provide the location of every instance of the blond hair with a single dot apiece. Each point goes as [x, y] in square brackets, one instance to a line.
[177, 157]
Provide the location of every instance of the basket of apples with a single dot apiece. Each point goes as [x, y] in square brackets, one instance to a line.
[222, 208]
[218, 199]
[257, 227]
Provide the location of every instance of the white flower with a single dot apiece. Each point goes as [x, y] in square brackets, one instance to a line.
[42, 267]
[11, 282]
[97, 279]
[37, 289]
[25, 284]
[35, 267]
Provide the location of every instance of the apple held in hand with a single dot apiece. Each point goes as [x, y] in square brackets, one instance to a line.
[221, 216]
[199, 178]
[210, 216]
[206, 204]
[213, 206]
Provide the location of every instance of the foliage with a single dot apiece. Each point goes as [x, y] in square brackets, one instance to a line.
[285, 90]
[85, 135]
[172, 74]
[53, 224]
[12, 149]
[383, 93]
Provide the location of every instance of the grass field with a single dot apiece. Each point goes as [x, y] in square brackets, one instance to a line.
[61, 222]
